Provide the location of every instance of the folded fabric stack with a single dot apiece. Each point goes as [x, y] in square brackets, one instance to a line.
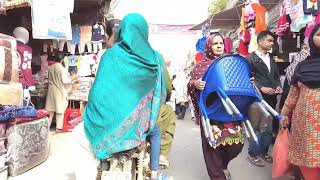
[24, 133]
[80, 89]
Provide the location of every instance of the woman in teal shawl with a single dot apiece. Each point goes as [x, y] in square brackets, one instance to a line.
[126, 95]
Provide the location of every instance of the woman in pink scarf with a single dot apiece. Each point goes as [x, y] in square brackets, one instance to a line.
[229, 137]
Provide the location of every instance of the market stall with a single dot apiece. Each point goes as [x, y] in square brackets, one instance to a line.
[29, 32]
[247, 18]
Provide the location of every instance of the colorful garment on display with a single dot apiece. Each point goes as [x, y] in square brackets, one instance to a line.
[288, 6]
[311, 26]
[260, 17]
[244, 43]
[75, 35]
[85, 34]
[253, 45]
[283, 26]
[97, 32]
[25, 52]
[249, 13]
[311, 7]
[228, 45]
[73, 60]
[242, 21]
[84, 68]
[122, 122]
[44, 68]
[299, 19]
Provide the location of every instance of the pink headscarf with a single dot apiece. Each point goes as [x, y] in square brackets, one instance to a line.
[208, 54]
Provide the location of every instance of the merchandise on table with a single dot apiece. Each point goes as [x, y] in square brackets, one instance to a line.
[80, 90]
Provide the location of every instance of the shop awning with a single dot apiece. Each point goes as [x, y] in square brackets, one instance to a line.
[12, 4]
[230, 18]
[79, 5]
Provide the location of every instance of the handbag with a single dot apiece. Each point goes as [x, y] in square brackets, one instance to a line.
[281, 166]
[70, 115]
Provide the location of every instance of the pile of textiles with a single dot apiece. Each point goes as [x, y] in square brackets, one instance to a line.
[79, 90]
[24, 141]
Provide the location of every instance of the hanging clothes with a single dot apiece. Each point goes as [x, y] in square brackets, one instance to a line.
[283, 26]
[97, 32]
[249, 13]
[75, 35]
[244, 43]
[260, 17]
[311, 26]
[25, 52]
[242, 21]
[299, 19]
[253, 45]
[85, 34]
[311, 7]
[83, 66]
[228, 46]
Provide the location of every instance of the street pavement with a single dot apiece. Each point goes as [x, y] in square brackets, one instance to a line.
[186, 159]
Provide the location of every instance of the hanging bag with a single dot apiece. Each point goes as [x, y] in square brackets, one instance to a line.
[281, 166]
[71, 115]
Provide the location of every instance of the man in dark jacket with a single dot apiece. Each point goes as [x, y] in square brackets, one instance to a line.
[265, 72]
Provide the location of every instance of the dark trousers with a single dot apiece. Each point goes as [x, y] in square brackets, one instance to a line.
[272, 101]
[218, 159]
[265, 139]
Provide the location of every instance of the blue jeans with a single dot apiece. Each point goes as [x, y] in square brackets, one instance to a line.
[265, 139]
[155, 141]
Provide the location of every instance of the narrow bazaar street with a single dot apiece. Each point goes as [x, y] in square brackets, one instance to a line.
[186, 159]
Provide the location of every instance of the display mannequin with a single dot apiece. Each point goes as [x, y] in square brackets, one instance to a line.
[25, 51]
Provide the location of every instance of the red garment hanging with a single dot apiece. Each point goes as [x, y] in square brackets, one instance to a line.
[260, 12]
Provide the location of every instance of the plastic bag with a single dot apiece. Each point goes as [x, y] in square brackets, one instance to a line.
[281, 166]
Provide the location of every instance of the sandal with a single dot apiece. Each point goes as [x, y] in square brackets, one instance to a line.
[227, 174]
[267, 158]
[256, 161]
[163, 161]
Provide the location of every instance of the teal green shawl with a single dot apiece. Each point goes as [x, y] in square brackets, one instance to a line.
[125, 97]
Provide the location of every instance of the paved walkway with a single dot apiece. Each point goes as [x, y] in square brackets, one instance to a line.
[186, 159]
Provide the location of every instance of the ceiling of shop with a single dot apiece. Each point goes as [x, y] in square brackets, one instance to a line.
[85, 5]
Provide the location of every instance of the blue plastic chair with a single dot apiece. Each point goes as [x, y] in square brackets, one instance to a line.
[228, 95]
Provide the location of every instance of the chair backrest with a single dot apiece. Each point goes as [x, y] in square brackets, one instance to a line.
[230, 75]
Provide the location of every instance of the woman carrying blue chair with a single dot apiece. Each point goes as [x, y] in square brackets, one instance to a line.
[222, 92]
